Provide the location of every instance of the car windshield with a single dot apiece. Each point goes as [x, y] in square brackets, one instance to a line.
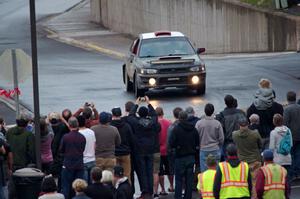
[165, 46]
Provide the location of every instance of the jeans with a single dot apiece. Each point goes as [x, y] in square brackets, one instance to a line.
[295, 168]
[87, 171]
[203, 157]
[145, 173]
[67, 178]
[184, 171]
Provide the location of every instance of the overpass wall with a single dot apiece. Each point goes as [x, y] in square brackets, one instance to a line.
[221, 26]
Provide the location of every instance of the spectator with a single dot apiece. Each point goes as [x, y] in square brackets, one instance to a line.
[185, 140]
[2, 175]
[265, 106]
[72, 147]
[193, 120]
[291, 118]
[233, 178]
[21, 143]
[79, 186]
[134, 164]
[146, 128]
[211, 136]
[164, 162]
[249, 144]
[60, 128]
[206, 179]
[254, 122]
[107, 180]
[123, 151]
[122, 185]
[97, 190]
[170, 151]
[90, 113]
[271, 180]
[276, 136]
[89, 159]
[107, 138]
[229, 119]
[49, 189]
[46, 140]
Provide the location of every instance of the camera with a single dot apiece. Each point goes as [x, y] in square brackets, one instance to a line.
[143, 99]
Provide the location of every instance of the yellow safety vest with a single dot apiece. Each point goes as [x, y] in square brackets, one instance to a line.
[234, 182]
[206, 183]
[275, 176]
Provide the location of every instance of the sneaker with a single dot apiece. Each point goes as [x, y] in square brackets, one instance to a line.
[155, 196]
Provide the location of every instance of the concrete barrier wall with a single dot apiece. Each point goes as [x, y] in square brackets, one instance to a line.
[221, 26]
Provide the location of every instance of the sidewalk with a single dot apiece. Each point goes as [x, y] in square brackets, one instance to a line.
[75, 28]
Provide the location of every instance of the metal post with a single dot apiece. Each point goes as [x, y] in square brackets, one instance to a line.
[35, 84]
[15, 73]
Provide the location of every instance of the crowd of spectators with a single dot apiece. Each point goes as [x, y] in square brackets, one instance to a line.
[95, 155]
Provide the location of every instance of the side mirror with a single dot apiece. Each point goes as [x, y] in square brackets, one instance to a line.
[200, 50]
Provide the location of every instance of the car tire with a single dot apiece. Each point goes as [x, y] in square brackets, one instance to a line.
[201, 89]
[128, 83]
[138, 92]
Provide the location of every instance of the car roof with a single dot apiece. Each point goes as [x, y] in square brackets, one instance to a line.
[158, 34]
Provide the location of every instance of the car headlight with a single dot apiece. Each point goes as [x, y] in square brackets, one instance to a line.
[195, 69]
[148, 71]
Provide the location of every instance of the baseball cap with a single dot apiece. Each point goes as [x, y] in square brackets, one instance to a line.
[268, 155]
[103, 118]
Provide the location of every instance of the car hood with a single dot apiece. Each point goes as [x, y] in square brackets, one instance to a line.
[183, 60]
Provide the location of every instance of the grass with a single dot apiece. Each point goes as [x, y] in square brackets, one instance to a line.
[261, 3]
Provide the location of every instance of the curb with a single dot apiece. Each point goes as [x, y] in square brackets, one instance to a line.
[83, 44]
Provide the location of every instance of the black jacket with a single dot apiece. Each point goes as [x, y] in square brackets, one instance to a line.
[184, 139]
[218, 179]
[229, 118]
[97, 191]
[265, 118]
[124, 191]
[145, 130]
[126, 137]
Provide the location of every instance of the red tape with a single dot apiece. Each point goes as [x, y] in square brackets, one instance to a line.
[10, 93]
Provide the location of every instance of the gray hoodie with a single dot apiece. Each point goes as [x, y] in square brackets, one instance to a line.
[263, 98]
[275, 138]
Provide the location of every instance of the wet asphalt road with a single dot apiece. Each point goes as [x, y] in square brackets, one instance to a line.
[70, 76]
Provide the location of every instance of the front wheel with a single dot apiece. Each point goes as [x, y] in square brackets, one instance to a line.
[128, 83]
[138, 92]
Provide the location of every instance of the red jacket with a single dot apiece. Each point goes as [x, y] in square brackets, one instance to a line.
[163, 139]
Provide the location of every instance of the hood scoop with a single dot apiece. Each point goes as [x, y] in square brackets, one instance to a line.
[172, 60]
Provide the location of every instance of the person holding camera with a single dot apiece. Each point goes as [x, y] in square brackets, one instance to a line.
[90, 113]
[146, 131]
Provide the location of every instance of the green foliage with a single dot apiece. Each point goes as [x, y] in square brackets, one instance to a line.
[261, 3]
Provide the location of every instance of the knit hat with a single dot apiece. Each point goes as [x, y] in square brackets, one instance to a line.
[143, 111]
[103, 118]
[118, 171]
[268, 155]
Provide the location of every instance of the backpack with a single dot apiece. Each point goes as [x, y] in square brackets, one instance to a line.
[285, 144]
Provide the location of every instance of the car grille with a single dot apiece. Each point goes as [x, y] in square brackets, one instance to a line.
[168, 80]
[173, 70]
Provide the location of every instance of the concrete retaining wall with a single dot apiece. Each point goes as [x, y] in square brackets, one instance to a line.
[221, 26]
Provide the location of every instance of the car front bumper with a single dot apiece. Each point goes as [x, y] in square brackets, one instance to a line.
[178, 80]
